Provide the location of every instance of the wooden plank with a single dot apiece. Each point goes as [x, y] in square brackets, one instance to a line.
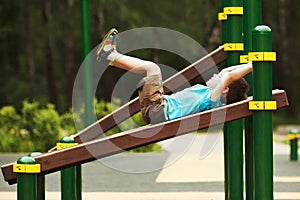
[114, 144]
[187, 74]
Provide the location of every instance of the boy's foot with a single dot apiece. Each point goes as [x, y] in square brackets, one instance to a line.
[107, 46]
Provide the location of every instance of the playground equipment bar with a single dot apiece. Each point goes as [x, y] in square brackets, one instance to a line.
[100, 148]
[187, 74]
[232, 31]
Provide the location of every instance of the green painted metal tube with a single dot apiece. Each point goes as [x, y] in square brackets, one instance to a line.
[68, 184]
[88, 80]
[86, 48]
[252, 18]
[262, 120]
[294, 150]
[225, 3]
[68, 178]
[294, 145]
[40, 180]
[233, 131]
[26, 188]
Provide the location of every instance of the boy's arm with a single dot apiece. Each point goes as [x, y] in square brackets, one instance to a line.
[228, 76]
[232, 68]
[236, 73]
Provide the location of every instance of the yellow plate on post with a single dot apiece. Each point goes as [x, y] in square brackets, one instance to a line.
[244, 59]
[262, 105]
[222, 16]
[262, 56]
[256, 105]
[270, 105]
[234, 47]
[60, 146]
[233, 10]
[27, 168]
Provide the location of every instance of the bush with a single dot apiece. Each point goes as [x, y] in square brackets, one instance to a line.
[35, 129]
[38, 128]
[43, 125]
[12, 136]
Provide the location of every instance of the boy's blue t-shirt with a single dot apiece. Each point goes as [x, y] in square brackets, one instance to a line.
[189, 101]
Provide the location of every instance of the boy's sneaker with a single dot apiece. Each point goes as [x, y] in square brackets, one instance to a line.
[107, 46]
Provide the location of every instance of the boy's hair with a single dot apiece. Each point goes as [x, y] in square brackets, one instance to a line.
[237, 91]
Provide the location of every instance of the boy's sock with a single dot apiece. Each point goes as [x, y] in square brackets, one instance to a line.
[112, 56]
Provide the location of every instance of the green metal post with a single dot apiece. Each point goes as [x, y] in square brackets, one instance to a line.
[40, 180]
[262, 120]
[26, 188]
[252, 18]
[226, 156]
[294, 145]
[86, 48]
[233, 131]
[88, 87]
[68, 178]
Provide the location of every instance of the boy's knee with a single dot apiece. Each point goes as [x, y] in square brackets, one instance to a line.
[152, 68]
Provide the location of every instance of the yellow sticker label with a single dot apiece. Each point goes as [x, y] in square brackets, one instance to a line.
[26, 168]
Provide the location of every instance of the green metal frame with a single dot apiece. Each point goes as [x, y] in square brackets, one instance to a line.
[252, 18]
[88, 87]
[294, 145]
[40, 181]
[262, 120]
[233, 131]
[69, 187]
[27, 187]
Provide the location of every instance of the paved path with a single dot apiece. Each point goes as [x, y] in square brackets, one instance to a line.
[190, 168]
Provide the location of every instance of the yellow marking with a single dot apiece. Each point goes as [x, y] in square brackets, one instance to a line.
[26, 168]
[233, 47]
[222, 16]
[262, 56]
[244, 59]
[262, 105]
[233, 10]
[256, 105]
[270, 105]
[60, 146]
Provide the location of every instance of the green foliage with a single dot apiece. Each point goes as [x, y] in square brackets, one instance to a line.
[10, 131]
[35, 129]
[147, 148]
[38, 128]
[42, 124]
[67, 123]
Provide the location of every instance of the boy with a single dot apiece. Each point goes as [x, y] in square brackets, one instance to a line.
[228, 86]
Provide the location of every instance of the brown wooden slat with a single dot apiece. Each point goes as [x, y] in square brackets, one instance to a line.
[100, 148]
[189, 73]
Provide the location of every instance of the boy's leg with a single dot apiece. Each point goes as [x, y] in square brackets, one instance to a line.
[136, 65]
[150, 87]
[151, 92]
[107, 52]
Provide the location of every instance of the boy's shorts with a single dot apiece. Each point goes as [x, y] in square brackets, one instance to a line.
[150, 90]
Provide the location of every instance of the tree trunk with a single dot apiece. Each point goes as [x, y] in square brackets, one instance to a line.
[49, 49]
[69, 53]
[287, 66]
[29, 51]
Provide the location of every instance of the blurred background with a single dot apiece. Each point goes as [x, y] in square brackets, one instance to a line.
[41, 49]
